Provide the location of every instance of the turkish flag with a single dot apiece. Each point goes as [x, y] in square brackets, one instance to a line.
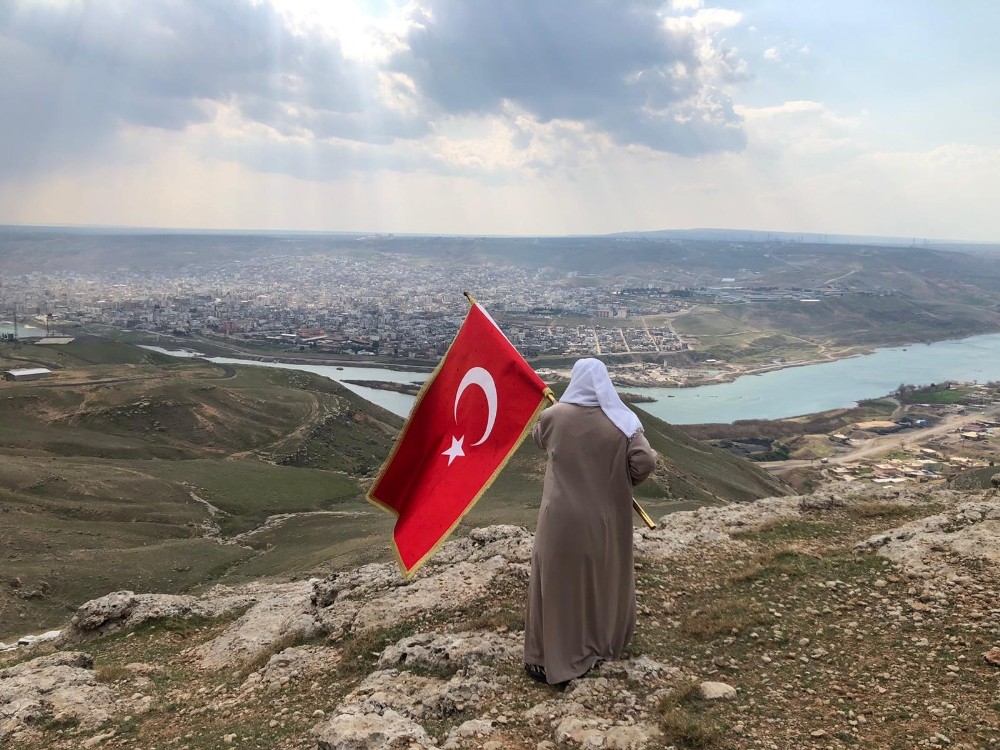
[468, 419]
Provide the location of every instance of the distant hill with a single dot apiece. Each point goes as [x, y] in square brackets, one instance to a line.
[756, 235]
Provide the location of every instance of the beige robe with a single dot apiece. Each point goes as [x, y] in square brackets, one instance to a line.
[581, 596]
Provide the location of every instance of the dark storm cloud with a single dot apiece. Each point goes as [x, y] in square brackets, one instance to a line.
[612, 64]
[75, 73]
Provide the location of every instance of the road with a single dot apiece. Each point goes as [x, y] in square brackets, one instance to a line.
[887, 443]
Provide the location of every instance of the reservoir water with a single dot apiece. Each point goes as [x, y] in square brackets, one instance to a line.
[24, 330]
[772, 395]
[831, 385]
[397, 403]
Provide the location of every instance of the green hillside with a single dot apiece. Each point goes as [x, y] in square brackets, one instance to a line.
[124, 471]
[108, 470]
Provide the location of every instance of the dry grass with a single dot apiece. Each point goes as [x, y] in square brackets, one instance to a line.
[690, 729]
[287, 641]
[788, 529]
[880, 510]
[112, 673]
[727, 616]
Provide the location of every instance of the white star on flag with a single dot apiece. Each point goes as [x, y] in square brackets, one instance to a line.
[455, 450]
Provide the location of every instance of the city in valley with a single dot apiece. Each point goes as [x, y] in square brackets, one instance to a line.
[661, 311]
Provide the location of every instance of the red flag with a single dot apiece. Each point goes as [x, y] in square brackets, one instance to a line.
[468, 419]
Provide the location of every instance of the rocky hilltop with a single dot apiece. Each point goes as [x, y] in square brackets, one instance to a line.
[852, 617]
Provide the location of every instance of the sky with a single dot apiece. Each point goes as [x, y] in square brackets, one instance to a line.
[503, 117]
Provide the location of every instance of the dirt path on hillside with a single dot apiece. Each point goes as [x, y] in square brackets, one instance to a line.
[301, 431]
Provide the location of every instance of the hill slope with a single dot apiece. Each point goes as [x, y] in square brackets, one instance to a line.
[127, 471]
[853, 617]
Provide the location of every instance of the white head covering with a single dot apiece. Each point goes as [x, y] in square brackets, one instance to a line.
[590, 385]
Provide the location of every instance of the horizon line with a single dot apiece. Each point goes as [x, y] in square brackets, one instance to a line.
[756, 235]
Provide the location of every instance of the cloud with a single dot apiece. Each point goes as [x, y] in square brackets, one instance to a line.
[771, 54]
[76, 74]
[800, 128]
[624, 68]
[281, 94]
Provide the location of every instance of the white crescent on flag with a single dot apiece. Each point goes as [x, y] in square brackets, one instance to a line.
[481, 377]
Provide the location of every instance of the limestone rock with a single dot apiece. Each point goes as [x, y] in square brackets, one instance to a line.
[60, 687]
[125, 610]
[284, 613]
[631, 737]
[31, 640]
[717, 691]
[363, 582]
[473, 729]
[922, 547]
[289, 665]
[446, 588]
[371, 731]
[583, 732]
[679, 532]
[512, 543]
[640, 669]
[451, 650]
[106, 610]
[594, 732]
[410, 695]
[97, 739]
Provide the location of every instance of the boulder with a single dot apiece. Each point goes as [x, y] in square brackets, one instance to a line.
[716, 691]
[282, 614]
[126, 610]
[60, 688]
[445, 651]
[371, 731]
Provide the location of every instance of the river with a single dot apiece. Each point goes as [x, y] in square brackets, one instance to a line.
[397, 403]
[771, 395]
[830, 385]
[24, 330]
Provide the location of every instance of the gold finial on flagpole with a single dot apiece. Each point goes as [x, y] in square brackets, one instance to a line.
[472, 300]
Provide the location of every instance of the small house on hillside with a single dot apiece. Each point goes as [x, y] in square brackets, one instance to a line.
[31, 373]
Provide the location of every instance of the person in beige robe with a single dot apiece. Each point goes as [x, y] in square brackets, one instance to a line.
[581, 594]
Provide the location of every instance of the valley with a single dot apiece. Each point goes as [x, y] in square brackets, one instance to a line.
[127, 469]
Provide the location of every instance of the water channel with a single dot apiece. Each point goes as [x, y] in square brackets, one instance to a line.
[772, 395]
[24, 330]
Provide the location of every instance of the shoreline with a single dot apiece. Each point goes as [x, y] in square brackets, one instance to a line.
[622, 375]
[410, 389]
[397, 367]
[731, 375]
